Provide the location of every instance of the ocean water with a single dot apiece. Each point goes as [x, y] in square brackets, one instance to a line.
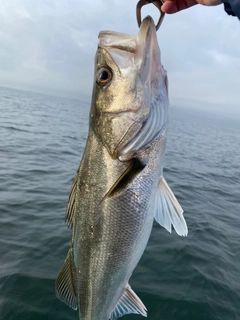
[42, 139]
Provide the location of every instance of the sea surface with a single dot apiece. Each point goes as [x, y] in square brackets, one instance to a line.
[197, 277]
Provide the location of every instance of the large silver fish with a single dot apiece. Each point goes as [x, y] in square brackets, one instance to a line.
[119, 188]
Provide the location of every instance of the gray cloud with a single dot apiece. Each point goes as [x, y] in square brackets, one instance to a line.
[49, 46]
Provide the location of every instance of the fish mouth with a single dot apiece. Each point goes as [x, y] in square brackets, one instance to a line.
[126, 42]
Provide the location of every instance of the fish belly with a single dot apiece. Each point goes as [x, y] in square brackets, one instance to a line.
[110, 234]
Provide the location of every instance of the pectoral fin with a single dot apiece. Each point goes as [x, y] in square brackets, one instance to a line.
[65, 283]
[168, 211]
[128, 303]
[135, 167]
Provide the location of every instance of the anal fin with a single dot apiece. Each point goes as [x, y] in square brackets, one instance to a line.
[168, 211]
[65, 283]
[129, 302]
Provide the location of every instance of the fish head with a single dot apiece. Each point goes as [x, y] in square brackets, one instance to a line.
[130, 92]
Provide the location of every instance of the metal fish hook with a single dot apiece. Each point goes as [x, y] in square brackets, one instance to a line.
[157, 3]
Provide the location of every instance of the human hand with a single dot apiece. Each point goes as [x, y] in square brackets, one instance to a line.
[173, 6]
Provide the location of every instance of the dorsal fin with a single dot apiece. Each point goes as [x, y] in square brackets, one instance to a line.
[135, 167]
[168, 211]
[65, 283]
[129, 302]
[71, 202]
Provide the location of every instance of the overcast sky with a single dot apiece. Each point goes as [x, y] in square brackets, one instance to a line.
[49, 46]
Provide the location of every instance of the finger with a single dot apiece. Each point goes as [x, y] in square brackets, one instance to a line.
[173, 6]
[169, 7]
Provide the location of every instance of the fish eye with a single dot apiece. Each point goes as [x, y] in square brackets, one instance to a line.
[104, 76]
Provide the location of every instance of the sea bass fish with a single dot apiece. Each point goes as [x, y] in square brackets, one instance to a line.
[119, 188]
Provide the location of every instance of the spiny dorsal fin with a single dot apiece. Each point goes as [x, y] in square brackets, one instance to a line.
[71, 202]
[168, 211]
[135, 167]
[65, 283]
[128, 303]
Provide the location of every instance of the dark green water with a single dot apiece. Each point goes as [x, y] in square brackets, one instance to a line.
[42, 139]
